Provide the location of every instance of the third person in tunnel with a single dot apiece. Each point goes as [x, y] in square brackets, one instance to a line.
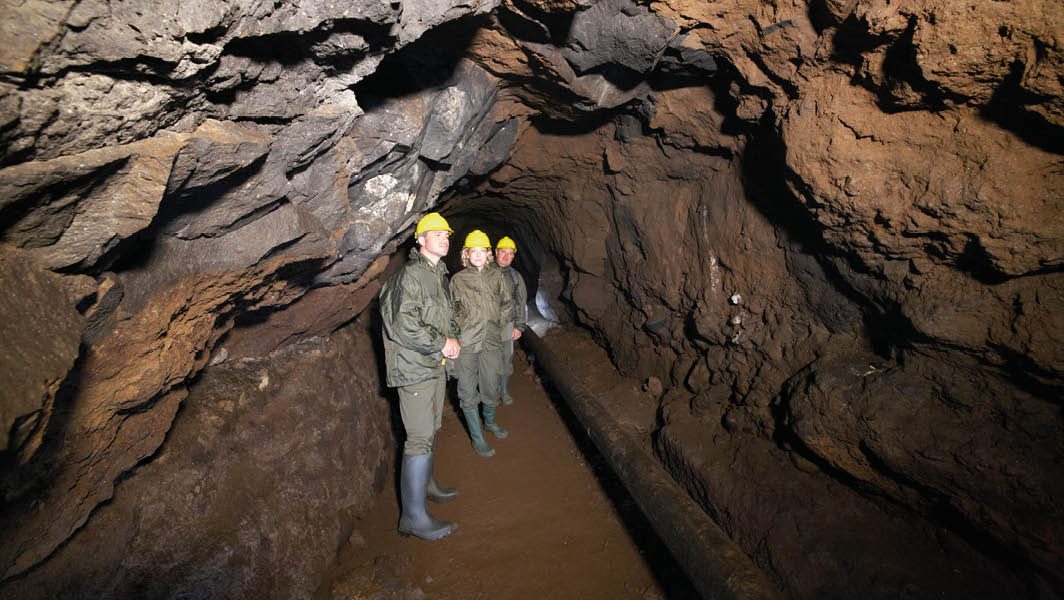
[483, 303]
[505, 250]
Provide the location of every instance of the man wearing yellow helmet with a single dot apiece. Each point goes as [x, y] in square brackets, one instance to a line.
[419, 337]
[482, 304]
[505, 251]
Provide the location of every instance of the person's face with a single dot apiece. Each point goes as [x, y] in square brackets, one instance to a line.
[504, 256]
[435, 244]
[478, 257]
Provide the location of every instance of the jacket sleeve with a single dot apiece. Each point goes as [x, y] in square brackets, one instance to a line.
[401, 308]
[453, 324]
[520, 303]
[506, 297]
[459, 304]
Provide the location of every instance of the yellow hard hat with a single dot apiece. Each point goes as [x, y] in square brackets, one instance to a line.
[432, 222]
[506, 243]
[477, 239]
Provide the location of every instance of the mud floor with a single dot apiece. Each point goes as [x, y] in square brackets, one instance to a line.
[543, 518]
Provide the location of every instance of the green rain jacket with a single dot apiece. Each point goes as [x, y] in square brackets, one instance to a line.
[418, 317]
[483, 303]
[520, 300]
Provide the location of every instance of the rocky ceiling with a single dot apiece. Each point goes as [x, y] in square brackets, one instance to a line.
[833, 229]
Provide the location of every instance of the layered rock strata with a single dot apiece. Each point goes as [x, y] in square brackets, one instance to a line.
[832, 229]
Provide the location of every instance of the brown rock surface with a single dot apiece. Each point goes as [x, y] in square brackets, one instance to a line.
[744, 201]
[258, 484]
[41, 332]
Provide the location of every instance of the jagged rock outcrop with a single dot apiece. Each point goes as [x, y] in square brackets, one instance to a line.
[832, 229]
[202, 163]
[882, 179]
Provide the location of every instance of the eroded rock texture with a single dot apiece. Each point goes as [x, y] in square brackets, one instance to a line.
[839, 238]
[832, 229]
[171, 173]
[255, 489]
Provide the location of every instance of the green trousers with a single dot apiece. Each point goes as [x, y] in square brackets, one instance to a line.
[479, 377]
[508, 350]
[421, 407]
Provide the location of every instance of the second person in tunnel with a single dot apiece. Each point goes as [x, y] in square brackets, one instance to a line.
[483, 302]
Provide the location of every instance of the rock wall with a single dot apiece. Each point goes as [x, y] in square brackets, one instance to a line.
[258, 484]
[169, 173]
[833, 229]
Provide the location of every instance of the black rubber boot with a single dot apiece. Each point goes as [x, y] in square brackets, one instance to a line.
[472, 417]
[491, 425]
[413, 482]
[435, 491]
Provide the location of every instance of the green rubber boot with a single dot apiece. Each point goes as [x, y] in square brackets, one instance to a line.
[472, 417]
[491, 425]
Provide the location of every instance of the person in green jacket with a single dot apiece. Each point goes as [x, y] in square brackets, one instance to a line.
[482, 304]
[420, 336]
[505, 250]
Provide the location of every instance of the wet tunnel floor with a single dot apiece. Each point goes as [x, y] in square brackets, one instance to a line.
[543, 518]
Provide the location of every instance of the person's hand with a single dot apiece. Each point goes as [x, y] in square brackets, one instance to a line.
[451, 348]
[516, 334]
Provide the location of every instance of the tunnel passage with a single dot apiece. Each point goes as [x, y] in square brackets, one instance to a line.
[827, 240]
[544, 517]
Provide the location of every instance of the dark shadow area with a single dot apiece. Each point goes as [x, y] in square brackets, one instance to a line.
[287, 48]
[1008, 108]
[522, 25]
[666, 571]
[23, 208]
[765, 177]
[135, 251]
[290, 48]
[820, 16]
[23, 479]
[428, 63]
[682, 67]
[975, 261]
[727, 104]
[622, 77]
[1025, 374]
[905, 76]
[904, 87]
[557, 24]
[180, 201]
[587, 123]
[933, 509]
[852, 39]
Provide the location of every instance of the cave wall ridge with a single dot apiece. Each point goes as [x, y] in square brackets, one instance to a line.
[170, 174]
[832, 229]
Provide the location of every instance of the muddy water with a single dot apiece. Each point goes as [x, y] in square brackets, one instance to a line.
[543, 518]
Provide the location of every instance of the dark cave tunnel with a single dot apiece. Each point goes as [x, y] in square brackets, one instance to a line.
[806, 267]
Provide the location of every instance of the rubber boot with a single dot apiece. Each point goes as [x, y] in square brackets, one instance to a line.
[416, 520]
[434, 491]
[481, 447]
[507, 399]
[491, 425]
